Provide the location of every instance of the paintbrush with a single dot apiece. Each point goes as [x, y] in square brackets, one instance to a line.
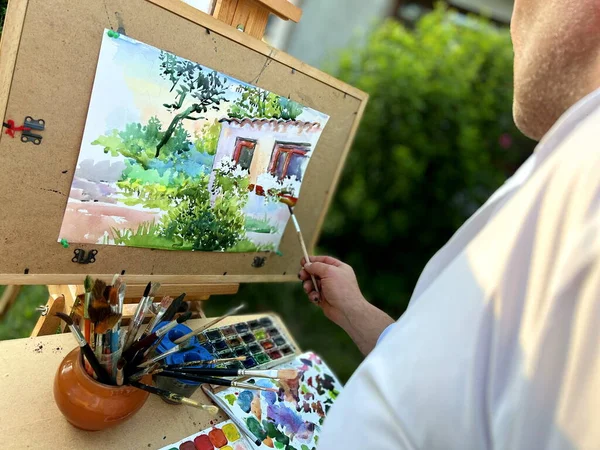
[120, 378]
[142, 373]
[99, 308]
[164, 305]
[302, 244]
[173, 309]
[213, 380]
[88, 284]
[156, 366]
[153, 347]
[210, 324]
[283, 374]
[183, 346]
[86, 350]
[174, 397]
[138, 317]
[205, 362]
[236, 420]
[151, 338]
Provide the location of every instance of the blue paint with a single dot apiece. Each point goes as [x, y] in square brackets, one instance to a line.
[245, 400]
[195, 353]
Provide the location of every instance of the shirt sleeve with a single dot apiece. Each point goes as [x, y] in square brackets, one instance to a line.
[384, 332]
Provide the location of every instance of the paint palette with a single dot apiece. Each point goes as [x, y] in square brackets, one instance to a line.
[262, 343]
[224, 436]
[295, 414]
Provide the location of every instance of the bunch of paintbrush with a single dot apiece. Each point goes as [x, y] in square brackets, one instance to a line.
[105, 312]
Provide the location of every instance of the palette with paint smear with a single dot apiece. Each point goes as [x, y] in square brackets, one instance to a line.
[224, 436]
[261, 341]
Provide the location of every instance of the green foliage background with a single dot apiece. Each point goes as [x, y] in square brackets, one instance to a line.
[437, 138]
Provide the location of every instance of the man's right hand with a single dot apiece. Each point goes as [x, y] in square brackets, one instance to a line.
[342, 302]
[338, 288]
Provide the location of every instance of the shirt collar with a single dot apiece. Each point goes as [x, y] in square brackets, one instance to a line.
[566, 124]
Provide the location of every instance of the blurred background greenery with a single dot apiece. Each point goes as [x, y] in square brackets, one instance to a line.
[436, 140]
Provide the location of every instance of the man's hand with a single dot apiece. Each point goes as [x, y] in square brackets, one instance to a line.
[341, 300]
[337, 285]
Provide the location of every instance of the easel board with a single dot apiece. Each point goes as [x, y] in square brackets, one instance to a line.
[48, 59]
[29, 415]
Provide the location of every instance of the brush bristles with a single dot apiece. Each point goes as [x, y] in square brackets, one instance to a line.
[287, 374]
[154, 289]
[88, 284]
[212, 410]
[98, 291]
[166, 302]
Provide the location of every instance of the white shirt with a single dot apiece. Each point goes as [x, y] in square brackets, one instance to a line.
[500, 345]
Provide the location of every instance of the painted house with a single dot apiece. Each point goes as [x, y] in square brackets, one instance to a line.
[279, 147]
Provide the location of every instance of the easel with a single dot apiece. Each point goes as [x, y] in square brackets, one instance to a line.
[30, 83]
[250, 17]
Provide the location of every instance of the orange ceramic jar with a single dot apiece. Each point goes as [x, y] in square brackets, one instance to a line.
[90, 405]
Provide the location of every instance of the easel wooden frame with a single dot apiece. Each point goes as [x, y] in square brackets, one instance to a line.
[210, 284]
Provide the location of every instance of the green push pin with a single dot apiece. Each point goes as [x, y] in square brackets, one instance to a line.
[279, 253]
[112, 34]
[64, 243]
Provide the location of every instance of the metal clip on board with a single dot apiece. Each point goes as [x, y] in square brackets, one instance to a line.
[33, 124]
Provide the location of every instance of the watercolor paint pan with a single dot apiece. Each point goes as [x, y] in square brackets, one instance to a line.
[224, 436]
[261, 341]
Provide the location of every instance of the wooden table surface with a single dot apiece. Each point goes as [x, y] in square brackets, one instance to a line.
[29, 417]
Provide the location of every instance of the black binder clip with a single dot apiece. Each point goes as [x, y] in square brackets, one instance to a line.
[82, 258]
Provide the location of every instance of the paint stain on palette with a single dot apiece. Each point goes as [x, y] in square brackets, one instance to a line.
[224, 436]
[291, 418]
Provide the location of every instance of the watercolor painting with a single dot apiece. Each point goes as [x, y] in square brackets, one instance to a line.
[177, 156]
[224, 436]
[292, 419]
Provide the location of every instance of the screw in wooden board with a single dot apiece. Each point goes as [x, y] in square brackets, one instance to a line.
[240, 27]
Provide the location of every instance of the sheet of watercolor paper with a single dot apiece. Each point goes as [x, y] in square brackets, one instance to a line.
[178, 156]
[224, 436]
[291, 419]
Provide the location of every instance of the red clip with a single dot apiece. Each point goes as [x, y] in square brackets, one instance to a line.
[11, 129]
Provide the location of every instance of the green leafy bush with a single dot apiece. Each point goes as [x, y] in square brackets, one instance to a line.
[436, 140]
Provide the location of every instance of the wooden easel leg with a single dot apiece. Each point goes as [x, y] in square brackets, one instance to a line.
[48, 323]
[62, 297]
[197, 310]
[9, 296]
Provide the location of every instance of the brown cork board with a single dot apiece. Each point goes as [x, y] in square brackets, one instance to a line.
[54, 69]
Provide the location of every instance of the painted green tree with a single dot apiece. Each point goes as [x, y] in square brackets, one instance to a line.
[199, 215]
[255, 102]
[190, 80]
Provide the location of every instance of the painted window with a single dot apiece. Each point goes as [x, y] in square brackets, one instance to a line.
[287, 159]
[244, 152]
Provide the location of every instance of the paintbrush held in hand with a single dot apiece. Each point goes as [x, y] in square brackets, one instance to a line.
[302, 244]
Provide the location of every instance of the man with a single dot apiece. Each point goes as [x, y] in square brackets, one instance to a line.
[500, 345]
